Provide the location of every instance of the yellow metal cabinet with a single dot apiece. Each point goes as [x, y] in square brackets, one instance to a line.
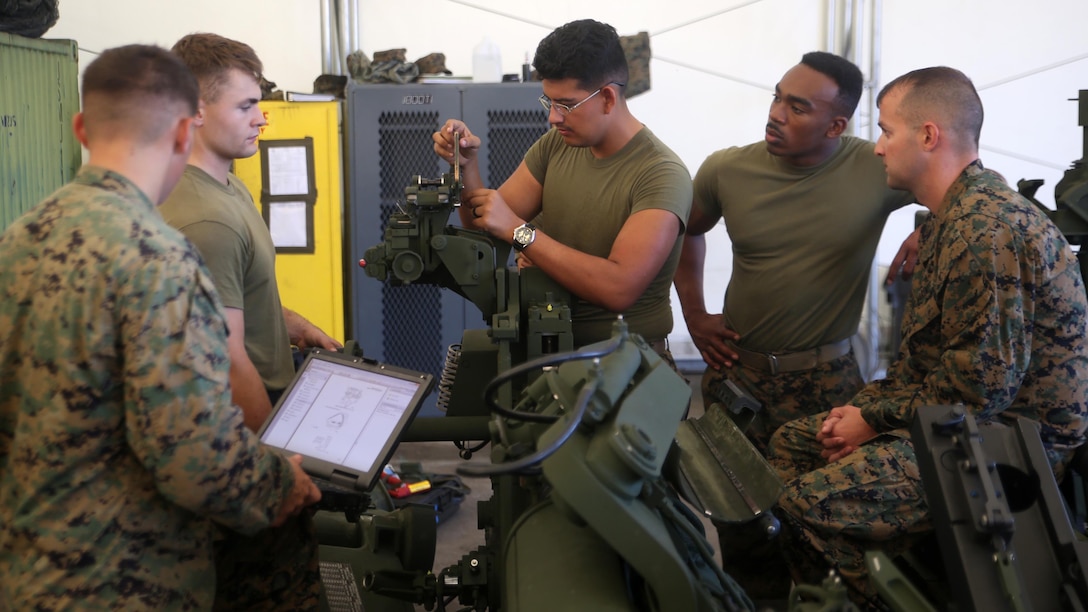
[296, 182]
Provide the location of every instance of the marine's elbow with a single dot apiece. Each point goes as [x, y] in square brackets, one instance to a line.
[619, 301]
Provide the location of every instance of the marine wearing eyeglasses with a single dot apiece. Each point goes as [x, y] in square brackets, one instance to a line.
[599, 203]
[565, 110]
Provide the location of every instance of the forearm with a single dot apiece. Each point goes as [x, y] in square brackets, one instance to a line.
[598, 280]
[689, 276]
[974, 353]
[223, 472]
[470, 175]
[888, 403]
[615, 282]
[248, 393]
[183, 427]
[951, 373]
[956, 378]
[296, 325]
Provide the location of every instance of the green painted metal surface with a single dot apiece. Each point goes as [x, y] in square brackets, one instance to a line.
[39, 94]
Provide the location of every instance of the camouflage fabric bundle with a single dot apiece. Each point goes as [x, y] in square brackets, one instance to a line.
[637, 50]
[391, 66]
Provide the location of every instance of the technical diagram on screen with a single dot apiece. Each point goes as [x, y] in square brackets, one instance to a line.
[345, 415]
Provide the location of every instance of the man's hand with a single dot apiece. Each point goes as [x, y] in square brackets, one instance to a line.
[313, 337]
[304, 334]
[450, 132]
[491, 213]
[905, 260]
[833, 445]
[304, 493]
[843, 431]
[710, 336]
[522, 260]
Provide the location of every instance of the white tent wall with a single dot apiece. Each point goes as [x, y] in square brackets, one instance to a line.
[285, 33]
[713, 70]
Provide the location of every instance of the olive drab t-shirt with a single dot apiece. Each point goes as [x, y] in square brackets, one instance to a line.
[803, 240]
[227, 229]
[587, 200]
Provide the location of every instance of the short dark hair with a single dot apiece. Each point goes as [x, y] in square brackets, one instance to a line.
[133, 85]
[586, 50]
[939, 93]
[211, 57]
[845, 74]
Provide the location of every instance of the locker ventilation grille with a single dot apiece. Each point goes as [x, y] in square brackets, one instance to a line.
[510, 134]
[412, 315]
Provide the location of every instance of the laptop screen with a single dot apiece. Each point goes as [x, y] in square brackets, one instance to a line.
[345, 415]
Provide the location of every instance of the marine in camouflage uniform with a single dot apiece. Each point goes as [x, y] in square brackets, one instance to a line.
[996, 321]
[119, 445]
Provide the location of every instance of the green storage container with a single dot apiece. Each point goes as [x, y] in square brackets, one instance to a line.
[39, 94]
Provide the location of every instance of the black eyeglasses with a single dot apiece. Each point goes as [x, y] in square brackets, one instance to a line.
[565, 110]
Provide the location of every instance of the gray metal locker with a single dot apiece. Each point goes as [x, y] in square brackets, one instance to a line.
[388, 131]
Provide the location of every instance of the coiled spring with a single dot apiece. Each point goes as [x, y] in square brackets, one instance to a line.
[449, 373]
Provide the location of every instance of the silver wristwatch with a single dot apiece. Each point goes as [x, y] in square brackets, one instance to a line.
[524, 235]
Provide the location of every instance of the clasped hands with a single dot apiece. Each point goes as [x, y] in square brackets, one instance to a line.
[842, 432]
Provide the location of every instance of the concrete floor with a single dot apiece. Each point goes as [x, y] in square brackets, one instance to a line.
[459, 533]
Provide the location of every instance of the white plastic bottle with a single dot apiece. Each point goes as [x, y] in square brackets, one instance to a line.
[486, 62]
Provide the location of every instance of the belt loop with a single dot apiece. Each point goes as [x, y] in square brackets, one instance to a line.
[774, 363]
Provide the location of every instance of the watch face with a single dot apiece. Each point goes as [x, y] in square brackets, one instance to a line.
[523, 236]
